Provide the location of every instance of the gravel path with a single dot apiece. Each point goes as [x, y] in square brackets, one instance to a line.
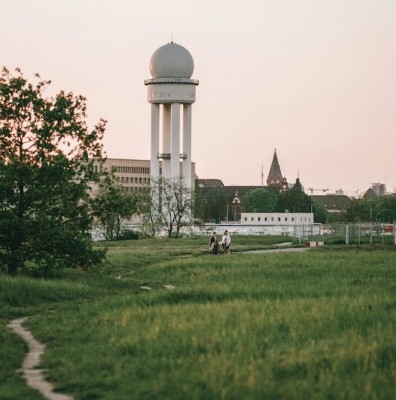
[33, 376]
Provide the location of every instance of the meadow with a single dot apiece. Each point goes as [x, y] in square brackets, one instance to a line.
[165, 320]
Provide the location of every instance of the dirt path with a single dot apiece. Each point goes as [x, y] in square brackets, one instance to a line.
[33, 376]
[289, 250]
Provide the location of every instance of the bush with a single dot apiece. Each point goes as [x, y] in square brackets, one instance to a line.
[129, 235]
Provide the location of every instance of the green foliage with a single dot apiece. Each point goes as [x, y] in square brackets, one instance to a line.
[359, 210]
[112, 205]
[198, 202]
[320, 213]
[387, 208]
[214, 202]
[127, 234]
[259, 200]
[372, 208]
[294, 200]
[45, 174]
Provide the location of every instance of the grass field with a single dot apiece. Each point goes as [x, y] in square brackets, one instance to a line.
[164, 320]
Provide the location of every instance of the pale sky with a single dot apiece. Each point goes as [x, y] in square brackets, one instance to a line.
[315, 79]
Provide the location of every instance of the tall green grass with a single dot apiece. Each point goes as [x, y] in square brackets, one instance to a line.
[320, 324]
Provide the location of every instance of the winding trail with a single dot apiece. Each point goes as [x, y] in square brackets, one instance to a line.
[33, 376]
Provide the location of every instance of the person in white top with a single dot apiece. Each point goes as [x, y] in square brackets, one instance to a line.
[226, 241]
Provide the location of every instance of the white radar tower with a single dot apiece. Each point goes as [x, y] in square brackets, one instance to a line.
[171, 92]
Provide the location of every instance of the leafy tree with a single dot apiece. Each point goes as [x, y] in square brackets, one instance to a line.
[364, 209]
[151, 225]
[170, 206]
[294, 200]
[113, 205]
[320, 213]
[214, 204]
[372, 208]
[198, 201]
[353, 210]
[45, 175]
[387, 207]
[259, 200]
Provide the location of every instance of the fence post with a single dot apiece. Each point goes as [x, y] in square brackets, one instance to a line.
[346, 234]
[394, 234]
[382, 234]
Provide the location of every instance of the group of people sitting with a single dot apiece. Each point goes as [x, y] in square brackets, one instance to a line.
[222, 247]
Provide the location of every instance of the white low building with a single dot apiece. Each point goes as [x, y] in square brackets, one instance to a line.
[283, 219]
[288, 224]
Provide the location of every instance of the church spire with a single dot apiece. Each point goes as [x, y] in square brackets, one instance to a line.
[275, 175]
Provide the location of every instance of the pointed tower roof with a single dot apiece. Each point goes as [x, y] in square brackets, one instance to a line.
[298, 185]
[275, 174]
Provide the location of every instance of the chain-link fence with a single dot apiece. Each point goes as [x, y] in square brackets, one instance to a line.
[354, 234]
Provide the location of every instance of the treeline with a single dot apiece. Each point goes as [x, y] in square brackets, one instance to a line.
[215, 204]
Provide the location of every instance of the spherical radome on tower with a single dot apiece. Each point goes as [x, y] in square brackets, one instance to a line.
[171, 61]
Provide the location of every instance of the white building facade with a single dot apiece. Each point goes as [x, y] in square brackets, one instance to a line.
[289, 224]
[282, 219]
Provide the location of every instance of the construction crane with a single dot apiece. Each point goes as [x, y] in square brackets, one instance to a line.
[318, 190]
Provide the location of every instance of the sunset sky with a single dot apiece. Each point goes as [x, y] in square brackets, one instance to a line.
[315, 79]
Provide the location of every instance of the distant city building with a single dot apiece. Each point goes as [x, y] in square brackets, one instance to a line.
[379, 188]
[133, 175]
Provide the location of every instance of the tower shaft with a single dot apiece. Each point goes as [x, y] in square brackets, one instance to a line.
[171, 100]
